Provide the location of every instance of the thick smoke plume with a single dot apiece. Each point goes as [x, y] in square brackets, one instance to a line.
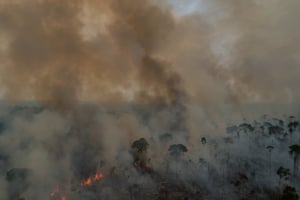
[53, 58]
[62, 51]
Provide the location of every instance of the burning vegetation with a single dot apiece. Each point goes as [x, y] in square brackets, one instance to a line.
[92, 179]
[59, 193]
[248, 163]
[149, 99]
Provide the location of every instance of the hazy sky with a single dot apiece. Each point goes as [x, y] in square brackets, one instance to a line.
[182, 8]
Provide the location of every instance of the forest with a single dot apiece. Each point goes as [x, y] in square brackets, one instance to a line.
[253, 160]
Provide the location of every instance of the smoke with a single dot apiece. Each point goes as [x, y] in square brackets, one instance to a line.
[105, 73]
[52, 62]
[62, 53]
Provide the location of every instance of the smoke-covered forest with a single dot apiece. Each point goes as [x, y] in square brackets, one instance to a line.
[149, 99]
[253, 160]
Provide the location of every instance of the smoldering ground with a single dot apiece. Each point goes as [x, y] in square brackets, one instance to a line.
[144, 71]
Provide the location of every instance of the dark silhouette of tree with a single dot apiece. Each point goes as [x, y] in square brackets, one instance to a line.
[246, 127]
[289, 193]
[176, 150]
[295, 152]
[141, 145]
[233, 130]
[265, 127]
[276, 130]
[140, 156]
[18, 179]
[203, 140]
[270, 149]
[283, 173]
[292, 126]
[279, 122]
[240, 183]
[17, 174]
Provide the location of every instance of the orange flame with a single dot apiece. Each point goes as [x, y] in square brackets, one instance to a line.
[56, 192]
[86, 182]
[90, 180]
[98, 176]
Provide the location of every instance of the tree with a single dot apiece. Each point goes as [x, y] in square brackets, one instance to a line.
[17, 179]
[17, 174]
[283, 173]
[270, 149]
[233, 130]
[176, 150]
[240, 182]
[203, 140]
[140, 155]
[141, 145]
[289, 193]
[276, 130]
[246, 127]
[202, 161]
[295, 152]
[293, 126]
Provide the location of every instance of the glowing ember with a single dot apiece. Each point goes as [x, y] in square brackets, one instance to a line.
[87, 182]
[90, 180]
[54, 192]
[98, 176]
